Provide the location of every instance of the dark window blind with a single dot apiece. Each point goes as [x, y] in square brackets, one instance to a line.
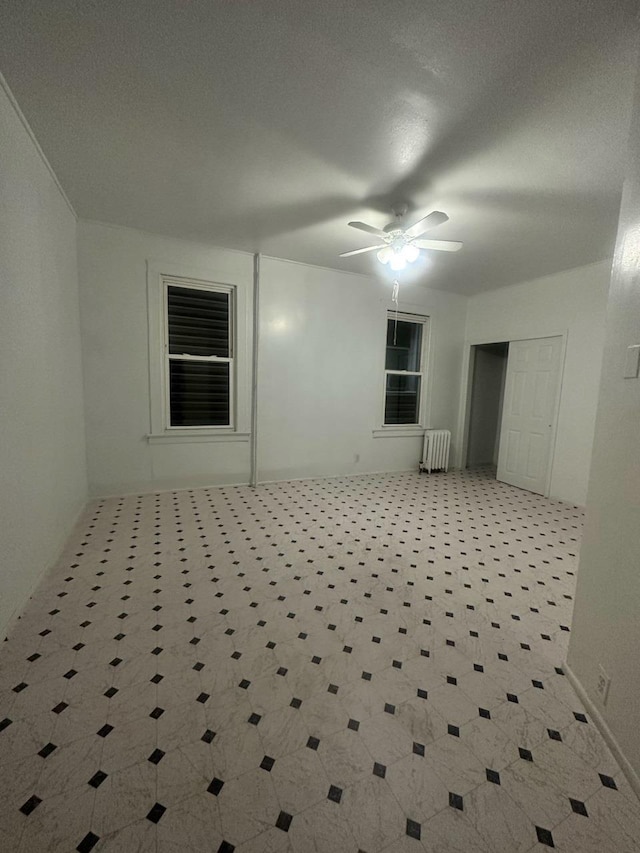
[198, 322]
[404, 344]
[401, 399]
[199, 393]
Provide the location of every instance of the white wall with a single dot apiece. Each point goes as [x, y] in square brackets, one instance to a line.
[112, 266]
[42, 452]
[321, 367]
[571, 302]
[606, 623]
[322, 351]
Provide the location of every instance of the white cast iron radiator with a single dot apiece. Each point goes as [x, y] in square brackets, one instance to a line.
[435, 453]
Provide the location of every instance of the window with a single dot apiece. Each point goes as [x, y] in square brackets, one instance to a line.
[200, 332]
[404, 369]
[199, 355]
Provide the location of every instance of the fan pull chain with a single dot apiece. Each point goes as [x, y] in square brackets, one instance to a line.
[394, 298]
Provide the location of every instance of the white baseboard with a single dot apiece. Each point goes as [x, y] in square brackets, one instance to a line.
[631, 776]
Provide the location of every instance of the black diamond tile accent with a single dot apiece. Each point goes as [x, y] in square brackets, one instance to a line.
[608, 781]
[453, 730]
[379, 770]
[7, 722]
[332, 688]
[88, 842]
[198, 666]
[493, 776]
[354, 725]
[156, 756]
[226, 847]
[512, 698]
[554, 735]
[47, 749]
[59, 708]
[97, 779]
[525, 754]
[20, 687]
[579, 807]
[284, 821]
[215, 786]
[156, 812]
[451, 679]
[282, 670]
[267, 763]
[455, 801]
[295, 703]
[105, 730]
[418, 748]
[254, 719]
[313, 743]
[315, 659]
[580, 717]
[544, 836]
[244, 684]
[366, 676]
[31, 804]
[389, 709]
[484, 713]
[208, 736]
[157, 678]
[111, 692]
[335, 794]
[414, 829]
[422, 694]
[202, 698]
[157, 713]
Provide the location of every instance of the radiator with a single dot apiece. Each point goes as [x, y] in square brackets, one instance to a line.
[435, 453]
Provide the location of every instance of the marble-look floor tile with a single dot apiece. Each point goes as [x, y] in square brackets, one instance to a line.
[349, 664]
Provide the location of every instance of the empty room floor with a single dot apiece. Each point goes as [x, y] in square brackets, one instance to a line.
[371, 663]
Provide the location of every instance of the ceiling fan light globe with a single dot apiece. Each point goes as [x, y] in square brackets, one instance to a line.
[397, 262]
[410, 253]
[385, 255]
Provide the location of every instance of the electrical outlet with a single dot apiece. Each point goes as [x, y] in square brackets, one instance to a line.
[602, 685]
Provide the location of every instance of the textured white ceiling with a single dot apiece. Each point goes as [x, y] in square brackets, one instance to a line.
[266, 126]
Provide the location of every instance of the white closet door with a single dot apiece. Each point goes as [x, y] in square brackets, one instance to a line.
[528, 417]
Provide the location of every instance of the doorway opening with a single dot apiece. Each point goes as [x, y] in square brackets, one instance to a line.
[488, 379]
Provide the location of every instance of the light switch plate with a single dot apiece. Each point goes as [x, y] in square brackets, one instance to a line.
[632, 362]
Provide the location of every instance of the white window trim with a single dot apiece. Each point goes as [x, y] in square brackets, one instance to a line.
[159, 277]
[417, 429]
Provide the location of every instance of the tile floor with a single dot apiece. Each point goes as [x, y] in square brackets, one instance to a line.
[356, 664]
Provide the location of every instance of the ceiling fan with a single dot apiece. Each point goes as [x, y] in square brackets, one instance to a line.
[401, 245]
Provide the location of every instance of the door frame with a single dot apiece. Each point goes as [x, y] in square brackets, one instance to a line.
[466, 387]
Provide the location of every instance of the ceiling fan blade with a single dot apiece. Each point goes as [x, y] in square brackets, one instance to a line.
[440, 245]
[362, 226]
[360, 251]
[426, 223]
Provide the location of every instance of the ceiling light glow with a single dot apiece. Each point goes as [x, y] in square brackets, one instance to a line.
[399, 256]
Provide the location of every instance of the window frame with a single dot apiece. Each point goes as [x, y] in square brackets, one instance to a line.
[161, 275]
[186, 284]
[423, 321]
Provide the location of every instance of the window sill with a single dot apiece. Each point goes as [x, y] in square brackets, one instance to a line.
[178, 437]
[399, 432]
